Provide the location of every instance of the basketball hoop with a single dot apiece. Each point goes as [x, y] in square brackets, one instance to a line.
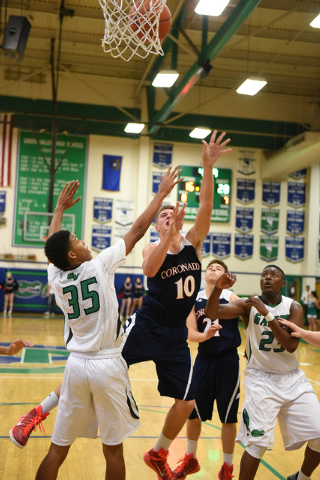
[132, 27]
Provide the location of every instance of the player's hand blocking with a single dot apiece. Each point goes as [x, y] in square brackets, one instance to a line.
[176, 220]
[292, 328]
[169, 181]
[65, 199]
[212, 150]
[258, 304]
[226, 281]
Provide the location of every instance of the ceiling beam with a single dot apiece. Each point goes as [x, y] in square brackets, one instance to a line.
[228, 29]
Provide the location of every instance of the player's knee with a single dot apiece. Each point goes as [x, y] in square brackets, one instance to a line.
[186, 406]
[256, 451]
[314, 445]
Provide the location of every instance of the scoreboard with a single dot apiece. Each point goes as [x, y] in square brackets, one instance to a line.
[189, 192]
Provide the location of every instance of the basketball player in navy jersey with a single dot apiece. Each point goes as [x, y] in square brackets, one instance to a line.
[217, 370]
[158, 331]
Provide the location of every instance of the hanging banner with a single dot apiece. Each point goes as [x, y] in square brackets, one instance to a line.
[269, 247]
[319, 251]
[206, 246]
[243, 246]
[269, 221]
[271, 193]
[111, 173]
[118, 233]
[154, 235]
[2, 202]
[296, 194]
[102, 209]
[245, 190]
[124, 212]
[221, 245]
[294, 249]
[162, 154]
[244, 219]
[300, 174]
[101, 237]
[247, 161]
[156, 180]
[295, 222]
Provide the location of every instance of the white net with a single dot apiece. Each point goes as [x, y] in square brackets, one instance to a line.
[132, 27]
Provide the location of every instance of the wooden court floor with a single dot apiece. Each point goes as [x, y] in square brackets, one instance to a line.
[35, 374]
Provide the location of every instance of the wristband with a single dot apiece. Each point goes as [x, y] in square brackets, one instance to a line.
[269, 317]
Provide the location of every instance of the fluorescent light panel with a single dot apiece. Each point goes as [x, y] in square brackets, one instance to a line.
[211, 7]
[166, 78]
[200, 132]
[316, 22]
[252, 86]
[134, 127]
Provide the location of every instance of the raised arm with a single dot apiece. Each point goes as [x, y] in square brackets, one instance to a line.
[311, 337]
[144, 221]
[154, 255]
[282, 334]
[210, 154]
[64, 202]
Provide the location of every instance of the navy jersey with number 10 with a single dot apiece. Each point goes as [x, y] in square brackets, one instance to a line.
[173, 290]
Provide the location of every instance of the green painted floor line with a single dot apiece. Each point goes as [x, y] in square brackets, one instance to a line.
[26, 370]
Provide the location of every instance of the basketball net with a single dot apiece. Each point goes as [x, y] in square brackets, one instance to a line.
[120, 39]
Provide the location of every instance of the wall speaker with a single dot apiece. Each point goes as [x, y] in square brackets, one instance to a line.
[16, 37]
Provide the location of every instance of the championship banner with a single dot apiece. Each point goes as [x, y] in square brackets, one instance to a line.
[2, 202]
[162, 155]
[206, 246]
[102, 209]
[245, 190]
[154, 235]
[295, 222]
[124, 212]
[221, 245]
[269, 247]
[243, 246]
[294, 249]
[101, 237]
[119, 232]
[156, 180]
[247, 161]
[296, 194]
[111, 173]
[271, 193]
[244, 219]
[299, 174]
[269, 221]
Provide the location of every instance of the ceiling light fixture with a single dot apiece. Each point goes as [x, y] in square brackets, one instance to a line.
[200, 132]
[134, 127]
[316, 22]
[165, 78]
[210, 7]
[252, 86]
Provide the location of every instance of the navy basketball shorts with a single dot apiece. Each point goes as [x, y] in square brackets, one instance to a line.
[217, 379]
[168, 349]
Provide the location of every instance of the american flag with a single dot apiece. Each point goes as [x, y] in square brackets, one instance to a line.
[6, 128]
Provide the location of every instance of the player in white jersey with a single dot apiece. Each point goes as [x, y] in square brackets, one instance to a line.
[96, 389]
[275, 388]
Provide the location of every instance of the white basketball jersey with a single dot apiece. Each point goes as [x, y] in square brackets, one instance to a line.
[87, 297]
[264, 351]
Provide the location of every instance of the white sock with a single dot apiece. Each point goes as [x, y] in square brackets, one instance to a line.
[192, 447]
[162, 442]
[228, 458]
[301, 476]
[49, 403]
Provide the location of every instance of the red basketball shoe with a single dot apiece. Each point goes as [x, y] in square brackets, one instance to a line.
[158, 462]
[225, 472]
[21, 432]
[189, 464]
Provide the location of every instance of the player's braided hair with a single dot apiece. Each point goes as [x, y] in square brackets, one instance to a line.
[56, 249]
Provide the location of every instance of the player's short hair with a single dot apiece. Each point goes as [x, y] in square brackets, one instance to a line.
[164, 207]
[56, 249]
[219, 262]
[275, 266]
[314, 293]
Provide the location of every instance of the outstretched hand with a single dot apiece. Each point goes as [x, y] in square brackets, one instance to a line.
[18, 345]
[296, 331]
[212, 150]
[258, 304]
[176, 220]
[169, 181]
[65, 199]
[226, 281]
